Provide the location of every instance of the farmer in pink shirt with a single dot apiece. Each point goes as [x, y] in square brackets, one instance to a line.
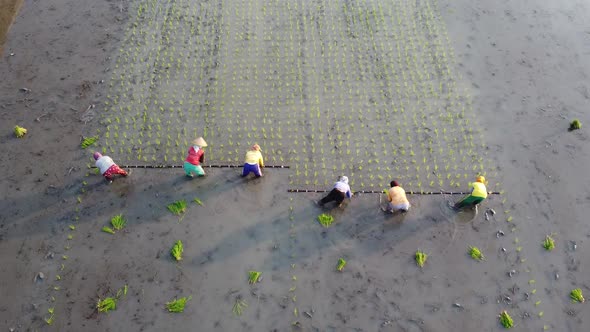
[196, 156]
[107, 167]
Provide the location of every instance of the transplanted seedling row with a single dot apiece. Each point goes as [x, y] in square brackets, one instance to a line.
[326, 106]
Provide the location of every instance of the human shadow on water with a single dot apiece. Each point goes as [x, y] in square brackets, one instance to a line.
[142, 196]
[359, 221]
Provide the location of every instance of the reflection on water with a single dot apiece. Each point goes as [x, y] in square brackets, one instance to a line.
[8, 11]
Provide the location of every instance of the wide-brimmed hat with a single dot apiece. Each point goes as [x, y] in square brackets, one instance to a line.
[200, 142]
[256, 147]
[344, 179]
[481, 179]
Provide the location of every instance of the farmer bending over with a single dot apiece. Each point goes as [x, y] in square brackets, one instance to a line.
[107, 167]
[341, 190]
[397, 199]
[478, 194]
[253, 162]
[196, 156]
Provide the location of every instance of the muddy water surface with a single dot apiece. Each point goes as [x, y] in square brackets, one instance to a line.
[8, 10]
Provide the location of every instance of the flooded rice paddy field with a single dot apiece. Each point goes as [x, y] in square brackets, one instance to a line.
[430, 93]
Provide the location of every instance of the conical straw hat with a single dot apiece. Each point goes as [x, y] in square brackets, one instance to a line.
[200, 142]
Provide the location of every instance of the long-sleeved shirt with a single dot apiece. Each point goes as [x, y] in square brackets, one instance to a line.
[254, 157]
[479, 189]
[397, 196]
[104, 163]
[343, 187]
[195, 156]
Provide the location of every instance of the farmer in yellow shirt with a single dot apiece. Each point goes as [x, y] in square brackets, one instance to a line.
[253, 162]
[397, 199]
[478, 194]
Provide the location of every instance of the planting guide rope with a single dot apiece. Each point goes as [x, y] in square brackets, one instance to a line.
[381, 192]
[204, 166]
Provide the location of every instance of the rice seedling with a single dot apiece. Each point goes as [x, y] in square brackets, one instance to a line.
[107, 304]
[577, 296]
[118, 222]
[239, 306]
[178, 207]
[177, 305]
[254, 276]
[19, 132]
[574, 125]
[548, 243]
[177, 250]
[506, 320]
[475, 253]
[421, 258]
[49, 320]
[198, 201]
[341, 264]
[325, 220]
[88, 141]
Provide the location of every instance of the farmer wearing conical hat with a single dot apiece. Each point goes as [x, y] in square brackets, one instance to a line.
[196, 156]
[340, 191]
[478, 194]
[397, 199]
[107, 167]
[253, 162]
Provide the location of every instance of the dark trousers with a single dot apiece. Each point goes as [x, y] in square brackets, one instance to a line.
[334, 195]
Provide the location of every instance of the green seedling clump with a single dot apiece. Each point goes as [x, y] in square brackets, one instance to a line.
[107, 229]
[549, 243]
[110, 303]
[325, 219]
[254, 276]
[19, 132]
[506, 320]
[107, 304]
[341, 264]
[49, 320]
[576, 124]
[239, 306]
[577, 295]
[118, 222]
[88, 141]
[421, 258]
[475, 253]
[177, 207]
[198, 201]
[177, 305]
[177, 250]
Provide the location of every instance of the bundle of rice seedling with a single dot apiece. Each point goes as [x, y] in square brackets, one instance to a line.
[19, 132]
[475, 253]
[575, 124]
[421, 258]
[107, 304]
[254, 276]
[325, 219]
[506, 320]
[577, 295]
[118, 222]
[549, 243]
[88, 141]
[177, 207]
[177, 305]
[177, 250]
[341, 264]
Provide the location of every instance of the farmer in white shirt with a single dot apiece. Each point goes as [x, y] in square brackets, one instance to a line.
[339, 193]
[107, 167]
